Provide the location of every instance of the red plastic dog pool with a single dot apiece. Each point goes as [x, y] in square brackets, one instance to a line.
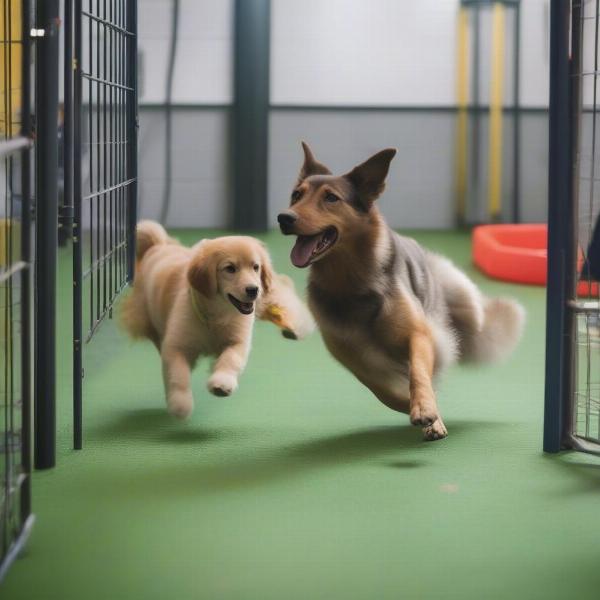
[517, 253]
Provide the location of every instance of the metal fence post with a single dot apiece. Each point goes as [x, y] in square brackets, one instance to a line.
[559, 236]
[516, 204]
[46, 74]
[132, 139]
[251, 114]
[75, 118]
[26, 275]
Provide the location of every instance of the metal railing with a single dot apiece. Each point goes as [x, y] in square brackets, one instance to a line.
[585, 399]
[572, 416]
[101, 117]
[15, 281]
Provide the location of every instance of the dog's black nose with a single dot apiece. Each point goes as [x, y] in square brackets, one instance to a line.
[252, 291]
[286, 220]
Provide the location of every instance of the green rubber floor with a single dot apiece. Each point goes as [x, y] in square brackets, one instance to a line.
[303, 486]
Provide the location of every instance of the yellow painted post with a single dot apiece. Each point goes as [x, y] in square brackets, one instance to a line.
[10, 241]
[10, 115]
[496, 92]
[10, 46]
[462, 89]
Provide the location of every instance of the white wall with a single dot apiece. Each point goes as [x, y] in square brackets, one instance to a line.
[335, 52]
[535, 52]
[328, 53]
[203, 71]
[357, 52]
[391, 52]
[589, 58]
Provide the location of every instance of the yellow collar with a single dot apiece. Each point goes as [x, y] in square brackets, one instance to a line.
[195, 306]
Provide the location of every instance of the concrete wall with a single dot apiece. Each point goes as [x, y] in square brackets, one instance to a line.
[421, 182]
[420, 190]
[337, 52]
[390, 52]
[203, 70]
[200, 180]
[357, 54]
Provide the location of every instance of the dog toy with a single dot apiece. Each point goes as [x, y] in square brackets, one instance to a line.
[277, 315]
[282, 307]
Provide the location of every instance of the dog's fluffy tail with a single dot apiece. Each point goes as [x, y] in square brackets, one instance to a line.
[149, 233]
[499, 334]
[133, 316]
[487, 329]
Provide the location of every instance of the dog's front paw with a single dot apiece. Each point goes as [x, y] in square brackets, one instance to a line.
[423, 414]
[180, 404]
[222, 384]
[435, 431]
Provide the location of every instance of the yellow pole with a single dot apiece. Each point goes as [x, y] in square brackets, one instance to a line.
[462, 88]
[496, 91]
[10, 58]
[10, 105]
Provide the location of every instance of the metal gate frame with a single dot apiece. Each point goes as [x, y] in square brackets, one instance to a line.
[15, 445]
[571, 171]
[101, 124]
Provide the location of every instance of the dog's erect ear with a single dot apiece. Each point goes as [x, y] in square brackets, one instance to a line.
[311, 165]
[266, 270]
[202, 273]
[369, 177]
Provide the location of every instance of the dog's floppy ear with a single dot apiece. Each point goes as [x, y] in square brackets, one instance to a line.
[369, 177]
[202, 272]
[311, 165]
[266, 270]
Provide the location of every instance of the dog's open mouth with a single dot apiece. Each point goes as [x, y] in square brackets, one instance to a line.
[309, 248]
[246, 308]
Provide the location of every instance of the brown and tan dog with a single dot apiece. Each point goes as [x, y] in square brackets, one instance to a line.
[201, 301]
[391, 312]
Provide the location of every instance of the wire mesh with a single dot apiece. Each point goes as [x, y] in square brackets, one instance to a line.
[14, 287]
[105, 156]
[104, 165]
[586, 355]
[586, 422]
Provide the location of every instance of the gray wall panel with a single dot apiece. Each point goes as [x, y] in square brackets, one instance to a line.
[419, 191]
[201, 178]
[421, 183]
[534, 167]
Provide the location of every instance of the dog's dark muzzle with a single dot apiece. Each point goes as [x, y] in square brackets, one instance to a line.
[287, 219]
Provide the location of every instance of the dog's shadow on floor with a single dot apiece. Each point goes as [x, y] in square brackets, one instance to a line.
[151, 425]
[355, 445]
[363, 444]
[299, 459]
[382, 446]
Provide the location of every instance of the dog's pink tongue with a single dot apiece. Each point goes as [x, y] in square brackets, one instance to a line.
[303, 249]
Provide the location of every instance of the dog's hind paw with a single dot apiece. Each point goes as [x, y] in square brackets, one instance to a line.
[435, 431]
[222, 384]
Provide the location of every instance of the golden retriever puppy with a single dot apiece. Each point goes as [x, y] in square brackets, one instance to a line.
[200, 301]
